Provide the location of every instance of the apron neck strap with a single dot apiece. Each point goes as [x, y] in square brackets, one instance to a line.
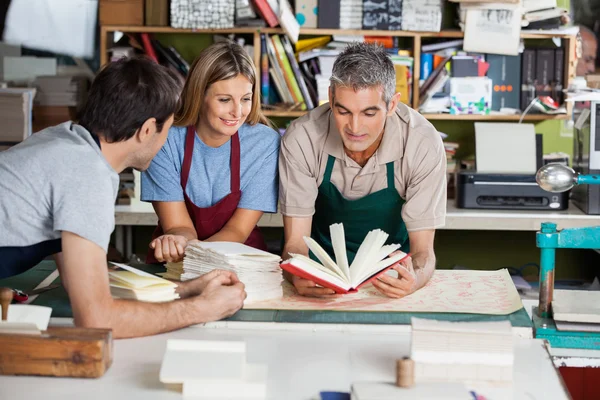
[187, 155]
[235, 163]
[390, 175]
[329, 168]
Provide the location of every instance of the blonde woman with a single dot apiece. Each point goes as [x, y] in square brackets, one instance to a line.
[217, 173]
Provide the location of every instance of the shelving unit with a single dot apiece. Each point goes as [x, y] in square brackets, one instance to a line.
[107, 32]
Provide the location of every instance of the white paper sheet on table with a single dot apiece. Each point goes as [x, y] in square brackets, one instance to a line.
[26, 318]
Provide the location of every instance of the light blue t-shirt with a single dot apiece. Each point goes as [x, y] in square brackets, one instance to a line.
[210, 172]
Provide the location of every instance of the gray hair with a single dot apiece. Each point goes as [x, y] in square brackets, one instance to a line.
[362, 65]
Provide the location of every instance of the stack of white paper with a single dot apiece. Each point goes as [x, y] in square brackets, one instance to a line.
[60, 90]
[257, 269]
[131, 283]
[16, 105]
[213, 370]
[479, 352]
[26, 319]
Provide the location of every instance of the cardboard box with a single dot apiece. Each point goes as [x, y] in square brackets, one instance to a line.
[121, 12]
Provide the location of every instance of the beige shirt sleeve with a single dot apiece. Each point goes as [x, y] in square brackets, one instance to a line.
[425, 206]
[297, 174]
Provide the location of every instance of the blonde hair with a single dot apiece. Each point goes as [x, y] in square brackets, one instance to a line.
[220, 61]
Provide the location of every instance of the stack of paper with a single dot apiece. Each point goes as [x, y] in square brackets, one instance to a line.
[480, 352]
[257, 269]
[60, 90]
[131, 283]
[576, 310]
[16, 105]
[26, 319]
[213, 370]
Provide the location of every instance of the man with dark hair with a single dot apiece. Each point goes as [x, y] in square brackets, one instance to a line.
[57, 196]
[367, 161]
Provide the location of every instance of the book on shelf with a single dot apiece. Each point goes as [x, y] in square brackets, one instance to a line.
[372, 259]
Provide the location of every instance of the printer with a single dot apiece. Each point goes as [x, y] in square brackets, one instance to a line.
[586, 154]
[505, 191]
[507, 157]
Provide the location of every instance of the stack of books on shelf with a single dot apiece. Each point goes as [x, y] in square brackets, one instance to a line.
[450, 77]
[300, 79]
[535, 14]
[393, 15]
[145, 43]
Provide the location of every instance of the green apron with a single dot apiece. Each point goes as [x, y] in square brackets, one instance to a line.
[379, 210]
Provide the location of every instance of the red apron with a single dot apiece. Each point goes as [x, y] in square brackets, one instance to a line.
[211, 220]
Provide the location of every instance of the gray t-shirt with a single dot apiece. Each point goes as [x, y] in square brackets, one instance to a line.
[56, 180]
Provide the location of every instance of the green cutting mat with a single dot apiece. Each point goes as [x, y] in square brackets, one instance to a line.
[59, 301]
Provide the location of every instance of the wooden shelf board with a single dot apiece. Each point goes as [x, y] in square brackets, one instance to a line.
[533, 117]
[168, 29]
[305, 31]
[283, 114]
[443, 117]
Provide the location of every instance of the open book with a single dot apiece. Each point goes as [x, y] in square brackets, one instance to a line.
[371, 261]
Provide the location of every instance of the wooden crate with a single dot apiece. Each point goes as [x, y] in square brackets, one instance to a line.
[121, 12]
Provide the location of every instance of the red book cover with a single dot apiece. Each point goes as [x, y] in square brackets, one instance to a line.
[266, 12]
[148, 46]
[292, 269]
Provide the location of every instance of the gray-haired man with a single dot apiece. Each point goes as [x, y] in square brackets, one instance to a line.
[368, 161]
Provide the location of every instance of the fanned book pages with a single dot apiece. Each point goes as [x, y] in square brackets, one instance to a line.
[372, 259]
[131, 283]
[258, 270]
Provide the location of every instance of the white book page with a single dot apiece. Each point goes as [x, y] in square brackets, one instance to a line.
[386, 251]
[234, 249]
[316, 265]
[376, 267]
[338, 240]
[324, 257]
[135, 281]
[317, 270]
[367, 252]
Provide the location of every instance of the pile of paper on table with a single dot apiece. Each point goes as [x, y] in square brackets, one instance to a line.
[61, 90]
[16, 105]
[131, 283]
[258, 270]
[213, 370]
[480, 352]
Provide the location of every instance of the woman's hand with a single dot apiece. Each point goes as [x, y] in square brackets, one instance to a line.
[169, 248]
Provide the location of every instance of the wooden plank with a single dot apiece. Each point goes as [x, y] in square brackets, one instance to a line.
[416, 71]
[284, 114]
[103, 45]
[168, 29]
